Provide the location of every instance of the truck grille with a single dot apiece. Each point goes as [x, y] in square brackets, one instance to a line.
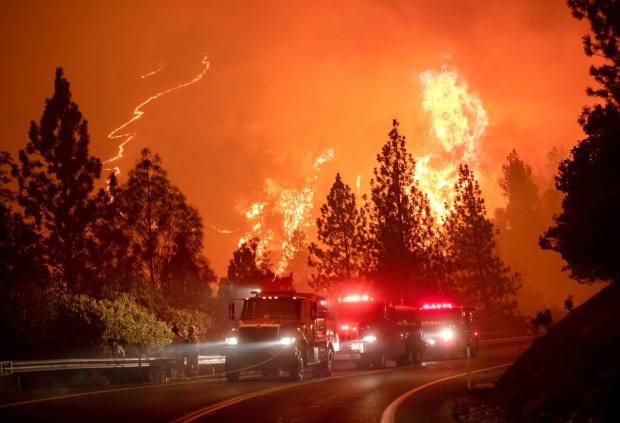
[431, 328]
[258, 334]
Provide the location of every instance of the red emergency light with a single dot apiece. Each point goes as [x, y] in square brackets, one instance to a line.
[436, 306]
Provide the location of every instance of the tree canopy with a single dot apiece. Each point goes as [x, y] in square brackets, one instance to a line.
[341, 230]
[586, 233]
[56, 177]
[401, 227]
[478, 275]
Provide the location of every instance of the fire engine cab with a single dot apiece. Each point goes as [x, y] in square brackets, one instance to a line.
[371, 331]
[280, 331]
[449, 329]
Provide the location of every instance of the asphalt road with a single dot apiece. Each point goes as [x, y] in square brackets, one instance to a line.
[401, 394]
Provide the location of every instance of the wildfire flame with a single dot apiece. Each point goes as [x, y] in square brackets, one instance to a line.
[280, 212]
[458, 121]
[126, 137]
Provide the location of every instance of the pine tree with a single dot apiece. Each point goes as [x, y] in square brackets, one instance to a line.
[247, 269]
[56, 180]
[478, 276]
[586, 233]
[523, 206]
[400, 222]
[164, 232]
[341, 231]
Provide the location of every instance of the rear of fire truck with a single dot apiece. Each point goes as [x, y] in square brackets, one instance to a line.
[280, 331]
[372, 331]
[449, 330]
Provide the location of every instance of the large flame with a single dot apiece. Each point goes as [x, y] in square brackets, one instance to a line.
[279, 212]
[457, 122]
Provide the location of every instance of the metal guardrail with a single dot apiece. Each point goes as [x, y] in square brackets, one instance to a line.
[11, 367]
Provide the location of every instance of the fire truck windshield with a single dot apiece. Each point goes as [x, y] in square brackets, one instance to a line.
[360, 310]
[440, 314]
[279, 308]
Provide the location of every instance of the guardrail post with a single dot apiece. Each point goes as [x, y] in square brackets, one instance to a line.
[468, 366]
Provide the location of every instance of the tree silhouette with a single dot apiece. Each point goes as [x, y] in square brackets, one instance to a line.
[523, 206]
[478, 276]
[164, 232]
[586, 233]
[56, 178]
[341, 232]
[400, 222]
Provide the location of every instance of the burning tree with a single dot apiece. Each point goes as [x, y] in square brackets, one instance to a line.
[341, 230]
[478, 276]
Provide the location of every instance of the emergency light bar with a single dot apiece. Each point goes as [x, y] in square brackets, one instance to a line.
[355, 298]
[436, 306]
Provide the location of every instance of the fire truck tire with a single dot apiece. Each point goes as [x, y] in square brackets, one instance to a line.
[328, 365]
[297, 368]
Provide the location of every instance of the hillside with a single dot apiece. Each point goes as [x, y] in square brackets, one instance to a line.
[571, 373]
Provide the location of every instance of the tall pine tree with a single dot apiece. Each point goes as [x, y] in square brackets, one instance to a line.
[341, 230]
[164, 232]
[56, 179]
[586, 233]
[478, 276]
[401, 224]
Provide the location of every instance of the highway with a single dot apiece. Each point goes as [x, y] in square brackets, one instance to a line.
[393, 394]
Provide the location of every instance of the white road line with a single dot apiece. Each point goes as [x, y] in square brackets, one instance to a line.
[390, 412]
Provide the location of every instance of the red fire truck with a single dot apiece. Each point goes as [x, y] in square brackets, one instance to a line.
[371, 331]
[449, 329]
[280, 331]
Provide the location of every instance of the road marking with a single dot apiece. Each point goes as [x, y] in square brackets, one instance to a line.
[390, 412]
[194, 415]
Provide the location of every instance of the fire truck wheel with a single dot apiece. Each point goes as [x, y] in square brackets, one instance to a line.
[297, 369]
[328, 365]
[416, 356]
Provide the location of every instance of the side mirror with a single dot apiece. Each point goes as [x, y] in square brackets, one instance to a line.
[231, 310]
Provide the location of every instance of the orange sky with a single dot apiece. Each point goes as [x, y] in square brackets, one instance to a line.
[288, 79]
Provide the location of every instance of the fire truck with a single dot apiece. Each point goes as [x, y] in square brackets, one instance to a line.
[372, 331]
[280, 331]
[449, 329]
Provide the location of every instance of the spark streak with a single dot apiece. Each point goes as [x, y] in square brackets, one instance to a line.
[137, 113]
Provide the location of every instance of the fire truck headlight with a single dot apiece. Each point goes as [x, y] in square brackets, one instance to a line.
[446, 335]
[369, 338]
[431, 342]
[287, 341]
[231, 341]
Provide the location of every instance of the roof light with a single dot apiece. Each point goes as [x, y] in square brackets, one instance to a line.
[436, 306]
[355, 298]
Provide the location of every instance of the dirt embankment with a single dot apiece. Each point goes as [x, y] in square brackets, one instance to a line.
[568, 375]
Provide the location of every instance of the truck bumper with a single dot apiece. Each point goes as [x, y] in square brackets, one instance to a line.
[259, 358]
